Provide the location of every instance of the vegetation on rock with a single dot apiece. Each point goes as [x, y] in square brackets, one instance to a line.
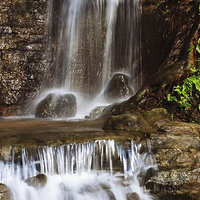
[185, 97]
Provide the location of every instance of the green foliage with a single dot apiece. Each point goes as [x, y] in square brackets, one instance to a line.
[190, 48]
[187, 94]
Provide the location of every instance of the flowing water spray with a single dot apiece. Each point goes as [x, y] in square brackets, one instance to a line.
[111, 15]
[101, 170]
[90, 41]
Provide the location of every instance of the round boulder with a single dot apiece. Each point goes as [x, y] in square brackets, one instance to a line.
[57, 106]
[38, 181]
[118, 88]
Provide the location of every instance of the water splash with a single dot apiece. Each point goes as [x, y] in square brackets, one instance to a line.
[99, 170]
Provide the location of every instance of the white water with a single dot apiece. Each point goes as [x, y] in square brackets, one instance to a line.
[96, 170]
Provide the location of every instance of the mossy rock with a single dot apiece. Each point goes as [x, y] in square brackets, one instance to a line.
[128, 122]
[156, 114]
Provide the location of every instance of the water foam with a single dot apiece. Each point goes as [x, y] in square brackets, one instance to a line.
[94, 170]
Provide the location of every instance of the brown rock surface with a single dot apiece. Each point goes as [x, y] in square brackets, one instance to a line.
[5, 193]
[38, 181]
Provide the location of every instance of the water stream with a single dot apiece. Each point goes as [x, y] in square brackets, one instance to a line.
[97, 170]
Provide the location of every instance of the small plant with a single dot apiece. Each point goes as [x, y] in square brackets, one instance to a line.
[187, 94]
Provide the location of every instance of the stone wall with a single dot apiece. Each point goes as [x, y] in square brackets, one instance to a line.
[22, 52]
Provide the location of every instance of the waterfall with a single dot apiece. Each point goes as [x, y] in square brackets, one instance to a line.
[111, 16]
[90, 41]
[94, 170]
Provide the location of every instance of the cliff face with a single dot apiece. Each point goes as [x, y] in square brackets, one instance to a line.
[22, 52]
[167, 28]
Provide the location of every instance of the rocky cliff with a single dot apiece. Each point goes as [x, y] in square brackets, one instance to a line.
[22, 52]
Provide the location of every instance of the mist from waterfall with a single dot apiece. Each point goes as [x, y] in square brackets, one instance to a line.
[101, 170]
[88, 42]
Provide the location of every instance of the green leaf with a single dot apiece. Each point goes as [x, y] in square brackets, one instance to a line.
[193, 69]
[198, 48]
[190, 48]
[171, 98]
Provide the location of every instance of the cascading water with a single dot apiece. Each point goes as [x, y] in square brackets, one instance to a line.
[90, 41]
[100, 170]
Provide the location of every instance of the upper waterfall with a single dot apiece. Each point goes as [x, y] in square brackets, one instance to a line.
[88, 42]
[92, 40]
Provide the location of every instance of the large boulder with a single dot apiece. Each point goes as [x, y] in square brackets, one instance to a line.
[57, 106]
[118, 88]
[38, 181]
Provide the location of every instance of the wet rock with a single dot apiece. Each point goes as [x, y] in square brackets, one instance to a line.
[176, 149]
[128, 122]
[111, 195]
[57, 106]
[38, 181]
[186, 191]
[96, 112]
[5, 193]
[132, 196]
[118, 88]
[156, 114]
[180, 127]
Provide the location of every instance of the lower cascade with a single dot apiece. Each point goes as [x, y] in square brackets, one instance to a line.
[102, 170]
